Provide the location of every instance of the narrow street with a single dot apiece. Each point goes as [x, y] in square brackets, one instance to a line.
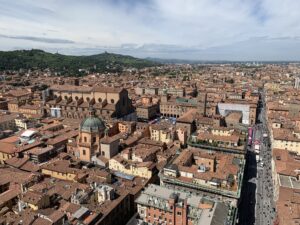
[256, 206]
[264, 208]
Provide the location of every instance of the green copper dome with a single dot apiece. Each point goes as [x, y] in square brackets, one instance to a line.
[92, 124]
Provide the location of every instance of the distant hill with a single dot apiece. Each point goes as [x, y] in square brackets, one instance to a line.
[69, 65]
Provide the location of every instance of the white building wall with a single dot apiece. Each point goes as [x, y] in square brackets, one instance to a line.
[245, 109]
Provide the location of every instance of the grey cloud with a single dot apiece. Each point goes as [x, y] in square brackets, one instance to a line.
[40, 39]
[253, 49]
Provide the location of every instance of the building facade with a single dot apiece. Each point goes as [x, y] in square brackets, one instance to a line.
[74, 101]
[161, 205]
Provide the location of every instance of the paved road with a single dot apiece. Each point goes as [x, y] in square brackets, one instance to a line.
[264, 207]
[256, 206]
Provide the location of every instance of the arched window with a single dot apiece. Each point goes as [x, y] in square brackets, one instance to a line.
[99, 99]
[112, 101]
[66, 97]
[87, 99]
[76, 98]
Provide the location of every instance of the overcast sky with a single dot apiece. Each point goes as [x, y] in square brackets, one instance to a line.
[184, 29]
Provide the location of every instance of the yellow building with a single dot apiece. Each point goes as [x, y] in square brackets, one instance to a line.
[222, 131]
[23, 123]
[286, 139]
[126, 127]
[30, 111]
[163, 133]
[291, 145]
[60, 169]
[27, 110]
[143, 169]
[36, 200]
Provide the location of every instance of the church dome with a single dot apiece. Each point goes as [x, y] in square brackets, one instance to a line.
[92, 124]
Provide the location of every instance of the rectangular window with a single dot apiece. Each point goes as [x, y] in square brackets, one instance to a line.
[83, 152]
